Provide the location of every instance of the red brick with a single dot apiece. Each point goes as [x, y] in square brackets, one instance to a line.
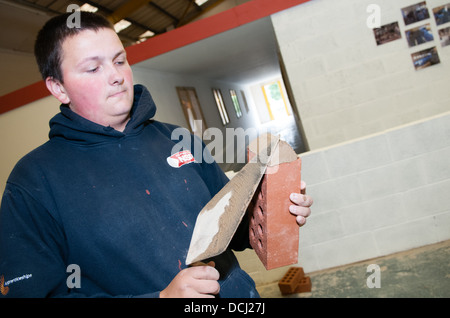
[291, 280]
[274, 232]
[304, 285]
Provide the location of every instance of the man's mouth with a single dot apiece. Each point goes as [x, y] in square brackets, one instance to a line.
[118, 94]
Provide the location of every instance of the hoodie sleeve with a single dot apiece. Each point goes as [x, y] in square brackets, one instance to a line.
[31, 250]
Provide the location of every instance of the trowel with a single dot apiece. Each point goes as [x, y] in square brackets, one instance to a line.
[219, 219]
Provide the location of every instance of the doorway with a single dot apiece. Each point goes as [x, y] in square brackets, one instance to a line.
[192, 110]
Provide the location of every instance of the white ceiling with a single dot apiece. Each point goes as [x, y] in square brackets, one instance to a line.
[240, 55]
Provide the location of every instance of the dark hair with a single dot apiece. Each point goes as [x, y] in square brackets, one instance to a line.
[48, 45]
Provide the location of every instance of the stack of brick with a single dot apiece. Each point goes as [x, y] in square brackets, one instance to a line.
[295, 281]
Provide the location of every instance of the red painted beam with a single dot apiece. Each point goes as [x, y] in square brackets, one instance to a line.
[23, 96]
[187, 34]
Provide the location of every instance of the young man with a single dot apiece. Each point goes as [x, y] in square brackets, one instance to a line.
[100, 196]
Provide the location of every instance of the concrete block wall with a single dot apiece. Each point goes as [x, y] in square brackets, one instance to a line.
[373, 196]
[347, 87]
[378, 195]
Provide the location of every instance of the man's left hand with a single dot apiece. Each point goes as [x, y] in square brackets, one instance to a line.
[302, 205]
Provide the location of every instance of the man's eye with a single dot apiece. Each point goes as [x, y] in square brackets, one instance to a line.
[120, 62]
[93, 70]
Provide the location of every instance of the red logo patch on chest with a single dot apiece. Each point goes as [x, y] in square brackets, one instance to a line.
[180, 158]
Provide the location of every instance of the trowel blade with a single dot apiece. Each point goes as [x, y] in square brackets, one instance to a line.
[219, 219]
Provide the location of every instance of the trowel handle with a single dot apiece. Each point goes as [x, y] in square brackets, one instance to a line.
[210, 263]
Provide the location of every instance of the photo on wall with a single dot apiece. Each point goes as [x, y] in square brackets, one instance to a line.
[444, 36]
[425, 58]
[419, 35]
[387, 33]
[442, 14]
[415, 13]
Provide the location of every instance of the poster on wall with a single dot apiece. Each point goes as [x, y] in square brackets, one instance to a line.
[425, 58]
[419, 35]
[415, 13]
[387, 33]
[442, 14]
[444, 36]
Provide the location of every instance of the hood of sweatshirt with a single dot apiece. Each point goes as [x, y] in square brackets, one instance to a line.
[72, 127]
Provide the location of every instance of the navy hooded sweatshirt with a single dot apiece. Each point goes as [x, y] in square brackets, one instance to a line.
[112, 205]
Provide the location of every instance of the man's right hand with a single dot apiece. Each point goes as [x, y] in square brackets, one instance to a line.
[193, 282]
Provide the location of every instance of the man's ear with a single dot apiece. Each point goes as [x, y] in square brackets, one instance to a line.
[57, 89]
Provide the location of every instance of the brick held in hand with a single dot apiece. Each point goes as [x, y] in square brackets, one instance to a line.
[274, 232]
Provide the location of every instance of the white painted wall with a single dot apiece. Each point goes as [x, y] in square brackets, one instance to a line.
[19, 70]
[163, 85]
[379, 195]
[345, 86]
[22, 130]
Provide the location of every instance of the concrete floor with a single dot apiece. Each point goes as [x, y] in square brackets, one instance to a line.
[422, 272]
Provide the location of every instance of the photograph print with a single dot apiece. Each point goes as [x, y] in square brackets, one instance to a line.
[387, 33]
[425, 58]
[444, 36]
[442, 14]
[419, 35]
[415, 13]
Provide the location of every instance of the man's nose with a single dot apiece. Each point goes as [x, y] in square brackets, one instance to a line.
[115, 76]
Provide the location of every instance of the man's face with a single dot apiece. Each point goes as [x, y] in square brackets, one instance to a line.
[98, 81]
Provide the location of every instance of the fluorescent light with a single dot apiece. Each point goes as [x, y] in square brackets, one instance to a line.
[144, 36]
[88, 8]
[121, 25]
[200, 2]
